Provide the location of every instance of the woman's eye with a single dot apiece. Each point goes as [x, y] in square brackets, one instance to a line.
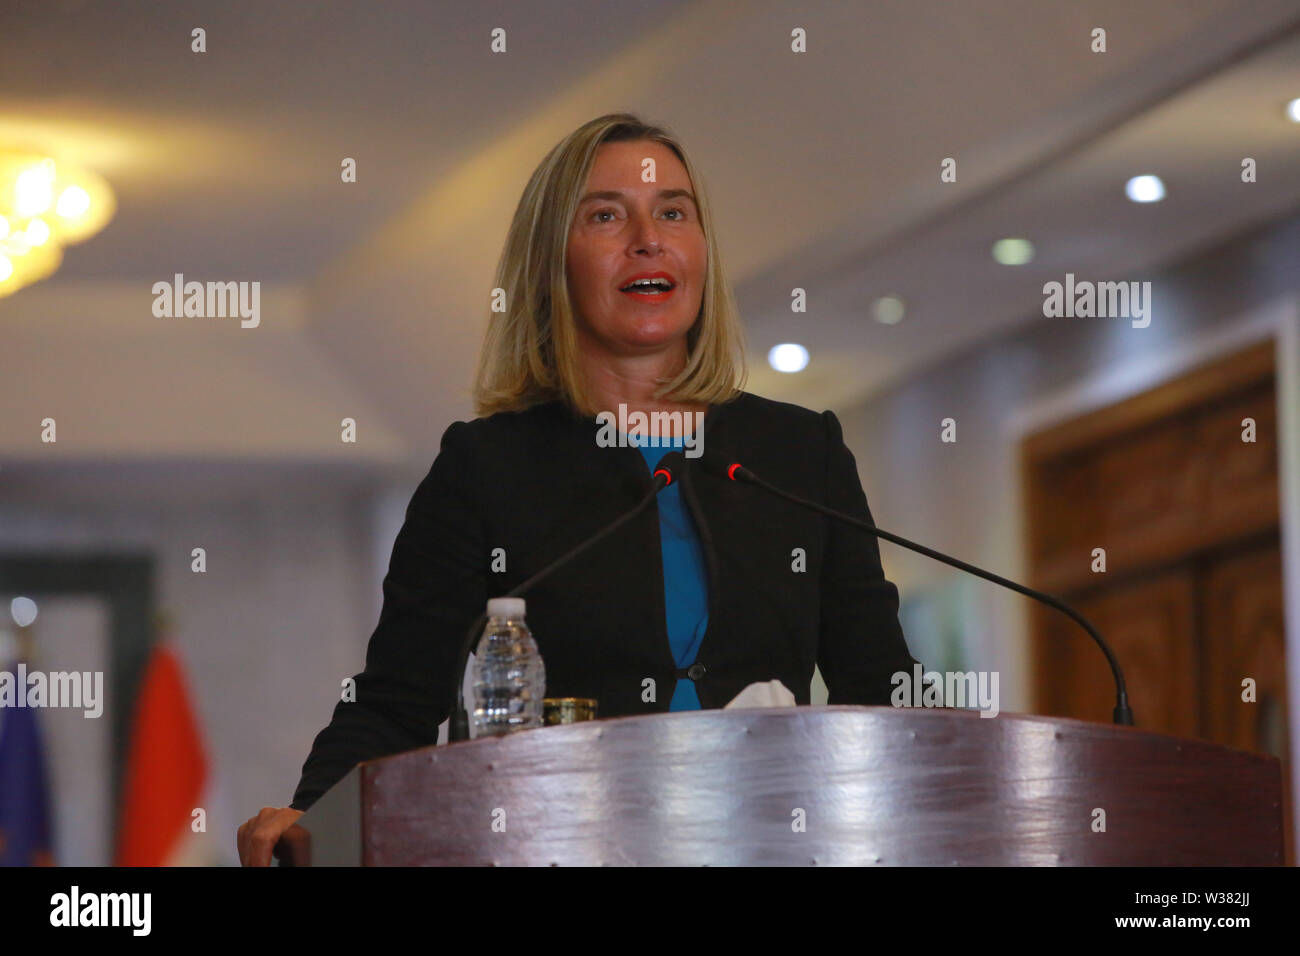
[681, 213]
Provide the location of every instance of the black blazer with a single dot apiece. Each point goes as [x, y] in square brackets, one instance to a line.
[535, 483]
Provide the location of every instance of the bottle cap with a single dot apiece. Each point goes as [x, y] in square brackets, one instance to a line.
[506, 607]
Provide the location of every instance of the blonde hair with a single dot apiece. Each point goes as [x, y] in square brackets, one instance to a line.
[530, 351]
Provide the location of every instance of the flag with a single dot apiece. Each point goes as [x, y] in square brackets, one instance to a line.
[25, 838]
[167, 774]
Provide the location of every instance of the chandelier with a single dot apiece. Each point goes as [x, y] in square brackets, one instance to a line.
[44, 205]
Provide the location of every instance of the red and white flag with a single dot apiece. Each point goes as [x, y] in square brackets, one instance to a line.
[168, 775]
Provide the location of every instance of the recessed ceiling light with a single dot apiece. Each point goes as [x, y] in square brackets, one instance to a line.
[1293, 110]
[788, 357]
[22, 610]
[1145, 188]
[889, 309]
[1013, 252]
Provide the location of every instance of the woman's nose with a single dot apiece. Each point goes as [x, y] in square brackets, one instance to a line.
[646, 233]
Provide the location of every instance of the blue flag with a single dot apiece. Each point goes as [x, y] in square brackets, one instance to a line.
[24, 790]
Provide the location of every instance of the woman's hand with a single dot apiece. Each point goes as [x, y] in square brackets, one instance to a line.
[258, 835]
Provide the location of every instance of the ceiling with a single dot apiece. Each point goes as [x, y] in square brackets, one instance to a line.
[823, 169]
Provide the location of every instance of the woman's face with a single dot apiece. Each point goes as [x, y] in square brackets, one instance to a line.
[625, 228]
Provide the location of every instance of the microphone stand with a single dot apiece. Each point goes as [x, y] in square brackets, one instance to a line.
[1122, 714]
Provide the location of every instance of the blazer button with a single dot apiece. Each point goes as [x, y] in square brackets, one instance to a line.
[696, 671]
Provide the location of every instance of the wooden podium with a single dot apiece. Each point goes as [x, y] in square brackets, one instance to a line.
[804, 786]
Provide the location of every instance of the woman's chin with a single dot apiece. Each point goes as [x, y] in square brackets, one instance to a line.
[652, 343]
[656, 332]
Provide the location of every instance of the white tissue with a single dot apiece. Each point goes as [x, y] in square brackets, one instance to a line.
[764, 694]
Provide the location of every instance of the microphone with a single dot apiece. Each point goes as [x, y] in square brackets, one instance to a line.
[670, 466]
[716, 464]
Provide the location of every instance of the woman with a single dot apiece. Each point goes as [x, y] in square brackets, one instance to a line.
[617, 304]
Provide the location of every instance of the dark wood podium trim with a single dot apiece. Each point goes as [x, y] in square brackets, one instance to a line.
[876, 785]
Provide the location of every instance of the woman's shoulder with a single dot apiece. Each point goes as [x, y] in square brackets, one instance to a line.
[758, 411]
[535, 426]
[510, 420]
[787, 443]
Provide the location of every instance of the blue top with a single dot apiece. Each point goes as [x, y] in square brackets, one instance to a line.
[685, 576]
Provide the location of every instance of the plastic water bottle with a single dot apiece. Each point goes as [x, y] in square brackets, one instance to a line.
[509, 676]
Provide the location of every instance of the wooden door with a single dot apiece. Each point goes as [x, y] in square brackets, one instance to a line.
[1243, 623]
[1150, 623]
[1169, 489]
